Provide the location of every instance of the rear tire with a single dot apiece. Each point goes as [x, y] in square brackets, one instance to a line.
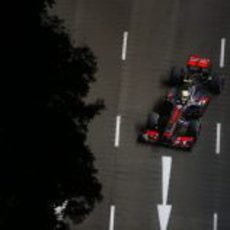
[193, 112]
[216, 84]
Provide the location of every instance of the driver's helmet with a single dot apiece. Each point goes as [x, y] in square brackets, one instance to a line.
[185, 95]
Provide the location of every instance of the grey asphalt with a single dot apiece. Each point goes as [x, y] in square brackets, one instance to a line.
[161, 34]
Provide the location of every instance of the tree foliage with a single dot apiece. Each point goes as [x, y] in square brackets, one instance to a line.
[44, 118]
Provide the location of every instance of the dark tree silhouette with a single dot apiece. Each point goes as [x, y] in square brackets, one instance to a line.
[44, 118]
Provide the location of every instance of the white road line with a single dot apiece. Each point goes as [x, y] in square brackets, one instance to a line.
[215, 221]
[218, 135]
[117, 131]
[222, 52]
[124, 45]
[111, 219]
[164, 210]
[166, 170]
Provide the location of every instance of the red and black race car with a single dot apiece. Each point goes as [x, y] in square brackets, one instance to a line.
[173, 126]
[198, 70]
[177, 121]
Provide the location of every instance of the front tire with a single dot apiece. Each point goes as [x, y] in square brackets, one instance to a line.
[194, 128]
[152, 120]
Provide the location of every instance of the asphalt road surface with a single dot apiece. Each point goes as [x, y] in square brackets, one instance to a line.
[137, 42]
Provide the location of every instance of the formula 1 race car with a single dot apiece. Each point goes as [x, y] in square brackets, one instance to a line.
[194, 99]
[170, 127]
[177, 122]
[198, 70]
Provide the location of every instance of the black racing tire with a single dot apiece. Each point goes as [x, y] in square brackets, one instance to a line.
[176, 76]
[193, 112]
[216, 84]
[193, 131]
[152, 121]
[194, 128]
[140, 138]
[165, 108]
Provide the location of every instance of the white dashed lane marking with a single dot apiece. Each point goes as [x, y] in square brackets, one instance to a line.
[117, 131]
[215, 221]
[112, 217]
[218, 136]
[124, 46]
[222, 52]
